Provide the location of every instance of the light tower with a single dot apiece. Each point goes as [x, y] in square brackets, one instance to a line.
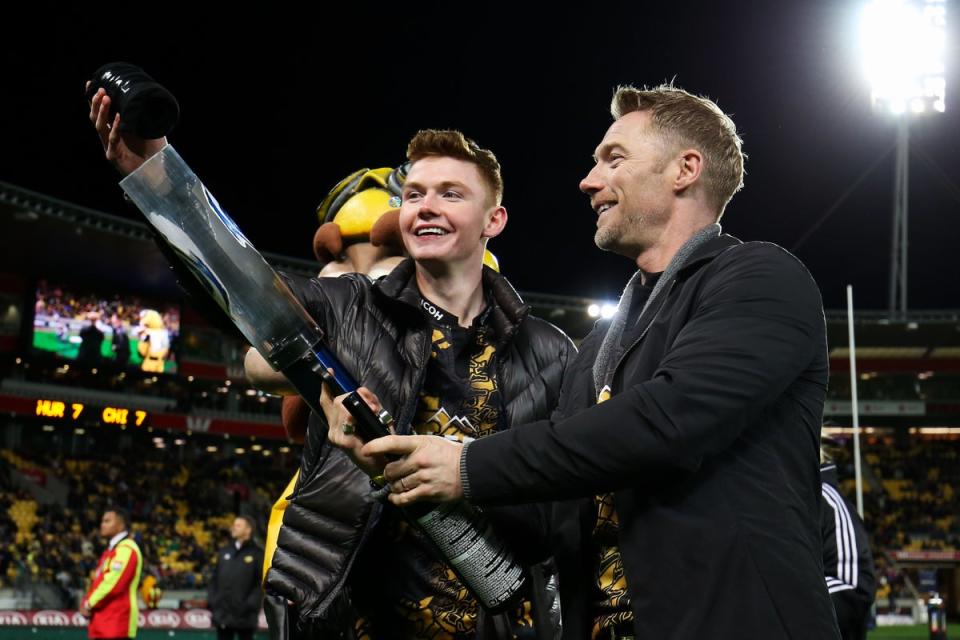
[904, 52]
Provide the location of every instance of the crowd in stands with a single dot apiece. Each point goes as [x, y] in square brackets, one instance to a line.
[910, 502]
[910, 492]
[181, 501]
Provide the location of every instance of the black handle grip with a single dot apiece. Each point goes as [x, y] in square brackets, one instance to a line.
[369, 425]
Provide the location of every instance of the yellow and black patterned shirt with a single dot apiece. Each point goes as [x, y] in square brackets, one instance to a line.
[611, 604]
[611, 600]
[400, 589]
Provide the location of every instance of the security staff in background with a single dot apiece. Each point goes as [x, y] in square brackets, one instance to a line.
[234, 594]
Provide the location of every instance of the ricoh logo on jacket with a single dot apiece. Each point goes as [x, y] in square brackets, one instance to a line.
[50, 618]
[161, 618]
[13, 619]
[431, 309]
[197, 619]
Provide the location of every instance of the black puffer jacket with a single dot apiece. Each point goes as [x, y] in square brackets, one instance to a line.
[379, 333]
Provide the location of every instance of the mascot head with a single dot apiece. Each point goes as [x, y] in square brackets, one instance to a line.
[151, 319]
[359, 230]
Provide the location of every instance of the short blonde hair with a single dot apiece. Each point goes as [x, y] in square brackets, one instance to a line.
[688, 120]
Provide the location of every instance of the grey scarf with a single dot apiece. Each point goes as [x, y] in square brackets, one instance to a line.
[609, 353]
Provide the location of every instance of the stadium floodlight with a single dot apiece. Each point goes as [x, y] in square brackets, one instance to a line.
[605, 310]
[904, 44]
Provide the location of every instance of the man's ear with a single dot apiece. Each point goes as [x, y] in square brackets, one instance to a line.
[689, 169]
[496, 222]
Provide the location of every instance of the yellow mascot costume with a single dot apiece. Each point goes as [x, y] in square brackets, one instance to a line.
[154, 341]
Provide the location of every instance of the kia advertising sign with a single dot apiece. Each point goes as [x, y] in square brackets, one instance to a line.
[180, 619]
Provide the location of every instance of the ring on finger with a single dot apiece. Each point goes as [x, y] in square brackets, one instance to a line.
[347, 428]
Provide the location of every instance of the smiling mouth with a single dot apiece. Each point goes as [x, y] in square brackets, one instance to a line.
[430, 231]
[604, 207]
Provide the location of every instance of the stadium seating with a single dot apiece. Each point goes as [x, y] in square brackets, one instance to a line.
[182, 504]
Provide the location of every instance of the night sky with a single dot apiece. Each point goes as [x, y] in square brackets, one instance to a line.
[277, 106]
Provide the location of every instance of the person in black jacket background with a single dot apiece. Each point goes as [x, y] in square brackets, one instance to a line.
[847, 557]
[234, 593]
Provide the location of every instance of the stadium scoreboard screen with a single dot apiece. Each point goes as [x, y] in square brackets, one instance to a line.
[93, 329]
[80, 412]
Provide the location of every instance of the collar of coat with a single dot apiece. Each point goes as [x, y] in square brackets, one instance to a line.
[506, 316]
[246, 543]
[699, 248]
[708, 251]
[117, 539]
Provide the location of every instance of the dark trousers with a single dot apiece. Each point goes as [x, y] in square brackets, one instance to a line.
[227, 633]
[852, 616]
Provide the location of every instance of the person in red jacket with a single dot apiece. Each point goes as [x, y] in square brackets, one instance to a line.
[111, 601]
